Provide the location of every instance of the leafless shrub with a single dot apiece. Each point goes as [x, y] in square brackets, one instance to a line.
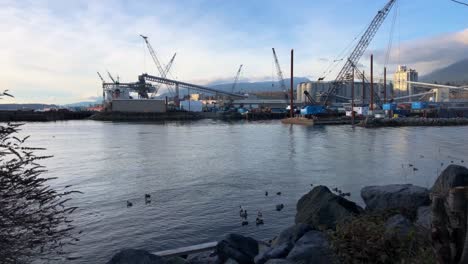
[34, 217]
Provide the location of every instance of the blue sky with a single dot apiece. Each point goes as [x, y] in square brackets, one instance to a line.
[50, 50]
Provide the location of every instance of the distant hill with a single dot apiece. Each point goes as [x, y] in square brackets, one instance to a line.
[85, 104]
[456, 73]
[14, 107]
[257, 86]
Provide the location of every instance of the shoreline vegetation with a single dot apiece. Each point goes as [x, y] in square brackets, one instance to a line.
[401, 223]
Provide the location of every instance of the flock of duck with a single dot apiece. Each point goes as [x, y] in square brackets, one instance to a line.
[341, 193]
[421, 156]
[259, 220]
[147, 200]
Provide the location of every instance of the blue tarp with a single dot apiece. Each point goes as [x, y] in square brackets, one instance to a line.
[312, 110]
[419, 105]
[389, 106]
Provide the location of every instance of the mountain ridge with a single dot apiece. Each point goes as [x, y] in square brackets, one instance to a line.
[455, 74]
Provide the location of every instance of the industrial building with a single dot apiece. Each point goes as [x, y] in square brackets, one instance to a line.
[138, 106]
[401, 78]
[317, 88]
[254, 103]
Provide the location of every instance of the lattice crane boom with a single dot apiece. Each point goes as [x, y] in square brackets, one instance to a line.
[168, 66]
[110, 76]
[153, 55]
[360, 48]
[236, 79]
[278, 71]
[100, 77]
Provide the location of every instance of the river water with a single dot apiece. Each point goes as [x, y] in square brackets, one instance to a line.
[199, 173]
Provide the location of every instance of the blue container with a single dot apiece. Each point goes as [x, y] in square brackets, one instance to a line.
[419, 105]
[242, 110]
[389, 106]
[312, 110]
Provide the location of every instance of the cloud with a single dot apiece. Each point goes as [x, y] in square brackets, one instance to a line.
[428, 54]
[51, 50]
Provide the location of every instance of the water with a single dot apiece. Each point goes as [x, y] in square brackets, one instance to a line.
[199, 173]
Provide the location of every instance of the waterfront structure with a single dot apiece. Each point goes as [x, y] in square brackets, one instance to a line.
[138, 106]
[343, 93]
[260, 103]
[401, 78]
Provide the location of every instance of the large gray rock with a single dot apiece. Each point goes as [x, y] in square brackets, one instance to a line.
[399, 225]
[280, 261]
[395, 196]
[231, 261]
[452, 176]
[237, 247]
[277, 252]
[202, 258]
[136, 256]
[176, 260]
[424, 218]
[321, 209]
[291, 234]
[313, 247]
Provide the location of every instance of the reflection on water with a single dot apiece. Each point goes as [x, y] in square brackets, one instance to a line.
[198, 174]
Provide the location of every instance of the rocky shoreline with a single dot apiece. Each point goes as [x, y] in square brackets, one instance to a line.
[30, 116]
[412, 121]
[183, 116]
[396, 226]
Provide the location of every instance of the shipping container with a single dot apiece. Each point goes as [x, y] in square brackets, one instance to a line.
[389, 106]
[358, 111]
[419, 105]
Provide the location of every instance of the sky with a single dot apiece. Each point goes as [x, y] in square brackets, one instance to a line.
[50, 50]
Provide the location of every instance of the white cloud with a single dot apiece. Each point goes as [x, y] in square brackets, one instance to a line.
[51, 50]
[428, 54]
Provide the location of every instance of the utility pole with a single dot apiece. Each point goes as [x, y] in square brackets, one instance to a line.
[385, 84]
[371, 107]
[363, 87]
[291, 95]
[352, 98]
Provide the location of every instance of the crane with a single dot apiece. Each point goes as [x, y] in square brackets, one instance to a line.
[279, 72]
[359, 50]
[169, 65]
[309, 97]
[110, 76]
[153, 55]
[162, 71]
[236, 79]
[100, 77]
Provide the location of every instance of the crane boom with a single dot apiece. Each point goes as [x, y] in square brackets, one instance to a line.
[110, 76]
[100, 77]
[162, 71]
[360, 48]
[236, 79]
[153, 55]
[279, 72]
[168, 66]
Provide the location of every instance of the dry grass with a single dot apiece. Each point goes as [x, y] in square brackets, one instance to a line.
[364, 240]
